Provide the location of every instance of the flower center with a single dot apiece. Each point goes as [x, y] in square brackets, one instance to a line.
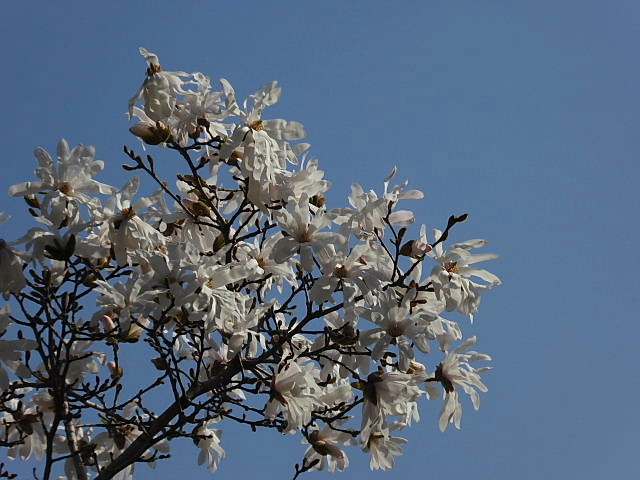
[341, 271]
[304, 235]
[125, 215]
[257, 125]
[153, 69]
[66, 189]
[395, 330]
[452, 267]
[443, 379]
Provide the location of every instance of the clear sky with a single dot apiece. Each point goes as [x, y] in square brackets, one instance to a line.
[524, 114]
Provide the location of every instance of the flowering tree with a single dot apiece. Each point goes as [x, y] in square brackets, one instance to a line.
[246, 296]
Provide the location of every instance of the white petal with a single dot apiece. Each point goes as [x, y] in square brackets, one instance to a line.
[401, 217]
[284, 130]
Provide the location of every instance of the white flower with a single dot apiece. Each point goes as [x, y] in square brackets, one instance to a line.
[160, 89]
[262, 143]
[271, 271]
[237, 325]
[369, 211]
[35, 442]
[451, 278]
[325, 447]
[348, 352]
[265, 97]
[455, 372]
[292, 391]
[304, 234]
[211, 452]
[11, 276]
[358, 271]
[82, 361]
[399, 326]
[420, 246]
[11, 351]
[308, 179]
[66, 185]
[112, 442]
[383, 447]
[388, 393]
[129, 303]
[124, 229]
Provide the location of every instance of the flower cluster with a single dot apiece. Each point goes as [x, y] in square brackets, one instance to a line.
[246, 296]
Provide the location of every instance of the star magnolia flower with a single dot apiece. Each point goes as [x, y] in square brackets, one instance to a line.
[388, 393]
[11, 277]
[370, 211]
[129, 302]
[262, 252]
[325, 448]
[304, 234]
[265, 97]
[11, 351]
[292, 390]
[124, 229]
[211, 452]
[160, 89]
[71, 177]
[308, 179]
[261, 143]
[112, 442]
[359, 271]
[383, 447]
[399, 326]
[66, 185]
[451, 279]
[27, 424]
[456, 372]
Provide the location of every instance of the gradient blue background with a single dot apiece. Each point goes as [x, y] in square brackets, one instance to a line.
[522, 113]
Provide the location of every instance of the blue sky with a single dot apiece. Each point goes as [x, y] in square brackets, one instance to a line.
[523, 114]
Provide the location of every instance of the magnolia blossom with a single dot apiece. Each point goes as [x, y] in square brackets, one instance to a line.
[69, 180]
[111, 443]
[352, 355]
[260, 144]
[28, 427]
[124, 229]
[307, 179]
[399, 326]
[359, 270]
[262, 253]
[11, 352]
[383, 447]
[325, 447]
[370, 211]
[303, 233]
[388, 393]
[208, 442]
[456, 372]
[451, 279]
[11, 277]
[292, 392]
[159, 90]
[127, 302]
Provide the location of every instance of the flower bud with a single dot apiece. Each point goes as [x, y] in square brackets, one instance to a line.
[108, 323]
[235, 158]
[116, 370]
[415, 248]
[197, 131]
[318, 200]
[151, 134]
